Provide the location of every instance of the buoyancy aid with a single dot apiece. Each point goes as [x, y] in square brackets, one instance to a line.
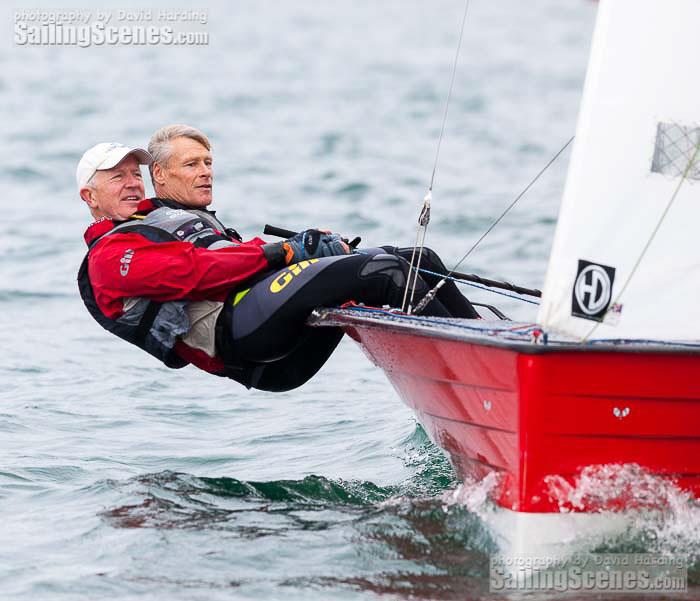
[156, 326]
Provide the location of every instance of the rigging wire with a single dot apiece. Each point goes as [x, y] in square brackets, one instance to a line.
[655, 231]
[449, 95]
[479, 286]
[431, 294]
[424, 218]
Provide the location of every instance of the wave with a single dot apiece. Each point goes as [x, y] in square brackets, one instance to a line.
[436, 528]
[7, 296]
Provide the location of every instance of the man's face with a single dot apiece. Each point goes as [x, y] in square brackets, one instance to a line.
[188, 176]
[115, 192]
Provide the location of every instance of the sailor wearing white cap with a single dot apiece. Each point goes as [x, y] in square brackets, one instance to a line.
[109, 179]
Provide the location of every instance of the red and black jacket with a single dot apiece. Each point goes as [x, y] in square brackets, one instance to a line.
[138, 275]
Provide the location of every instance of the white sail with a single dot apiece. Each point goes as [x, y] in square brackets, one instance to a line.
[638, 131]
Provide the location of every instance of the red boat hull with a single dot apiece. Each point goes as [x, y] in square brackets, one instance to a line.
[533, 415]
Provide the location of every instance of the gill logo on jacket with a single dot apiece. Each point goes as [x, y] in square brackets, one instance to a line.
[125, 261]
[283, 279]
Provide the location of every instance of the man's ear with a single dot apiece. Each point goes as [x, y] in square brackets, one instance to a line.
[158, 174]
[87, 195]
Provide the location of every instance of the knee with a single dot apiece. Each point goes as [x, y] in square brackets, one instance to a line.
[390, 266]
[430, 257]
[428, 254]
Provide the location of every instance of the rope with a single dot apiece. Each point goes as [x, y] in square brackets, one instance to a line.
[408, 282]
[424, 218]
[621, 341]
[449, 94]
[460, 281]
[429, 297]
[479, 286]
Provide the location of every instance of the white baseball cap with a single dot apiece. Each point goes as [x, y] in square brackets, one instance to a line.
[105, 156]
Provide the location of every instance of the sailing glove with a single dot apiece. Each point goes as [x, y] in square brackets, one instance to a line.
[309, 244]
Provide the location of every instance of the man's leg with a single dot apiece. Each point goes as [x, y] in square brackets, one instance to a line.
[449, 295]
[268, 321]
[300, 365]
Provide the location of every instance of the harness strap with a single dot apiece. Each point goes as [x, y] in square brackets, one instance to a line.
[206, 241]
[144, 327]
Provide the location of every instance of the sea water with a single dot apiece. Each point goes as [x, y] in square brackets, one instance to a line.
[121, 479]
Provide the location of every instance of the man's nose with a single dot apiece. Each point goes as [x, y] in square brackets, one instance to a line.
[133, 182]
[205, 170]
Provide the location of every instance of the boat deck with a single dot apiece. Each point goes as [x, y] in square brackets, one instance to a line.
[527, 338]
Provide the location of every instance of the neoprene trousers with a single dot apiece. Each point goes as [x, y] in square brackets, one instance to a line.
[266, 323]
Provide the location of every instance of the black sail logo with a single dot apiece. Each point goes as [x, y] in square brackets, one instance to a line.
[592, 290]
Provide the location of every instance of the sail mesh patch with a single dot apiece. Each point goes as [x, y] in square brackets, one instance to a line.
[674, 150]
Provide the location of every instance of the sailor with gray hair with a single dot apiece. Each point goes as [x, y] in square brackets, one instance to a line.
[182, 165]
[176, 282]
[158, 270]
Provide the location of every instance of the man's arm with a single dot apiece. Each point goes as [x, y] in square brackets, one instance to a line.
[129, 265]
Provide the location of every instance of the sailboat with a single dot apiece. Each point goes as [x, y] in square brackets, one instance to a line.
[610, 372]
